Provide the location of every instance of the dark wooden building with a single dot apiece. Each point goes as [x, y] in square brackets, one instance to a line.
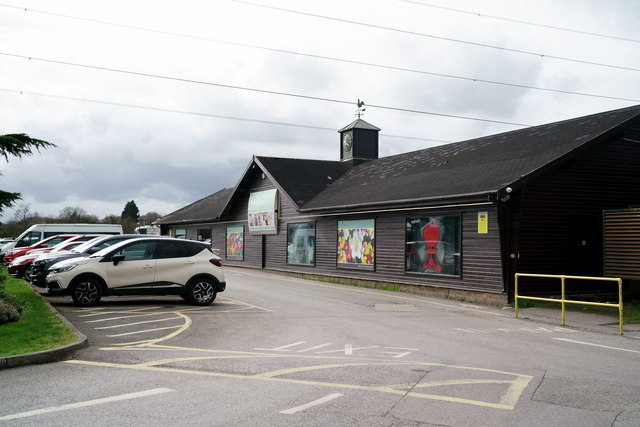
[460, 218]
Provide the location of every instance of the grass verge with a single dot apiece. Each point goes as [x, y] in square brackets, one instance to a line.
[38, 329]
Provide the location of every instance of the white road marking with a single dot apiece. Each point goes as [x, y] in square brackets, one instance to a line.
[86, 403]
[596, 345]
[283, 348]
[311, 404]
[348, 349]
[401, 354]
[315, 347]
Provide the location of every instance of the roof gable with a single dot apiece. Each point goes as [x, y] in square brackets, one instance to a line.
[301, 179]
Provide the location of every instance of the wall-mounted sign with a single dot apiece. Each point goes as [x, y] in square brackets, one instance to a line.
[483, 222]
[263, 212]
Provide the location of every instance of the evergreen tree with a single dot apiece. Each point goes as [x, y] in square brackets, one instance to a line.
[131, 212]
[17, 145]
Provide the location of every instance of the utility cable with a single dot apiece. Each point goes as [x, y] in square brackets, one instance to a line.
[449, 39]
[328, 58]
[195, 113]
[517, 21]
[270, 92]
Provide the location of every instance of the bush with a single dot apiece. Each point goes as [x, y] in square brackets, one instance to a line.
[8, 313]
[11, 306]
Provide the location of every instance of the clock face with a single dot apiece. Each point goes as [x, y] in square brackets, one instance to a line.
[347, 141]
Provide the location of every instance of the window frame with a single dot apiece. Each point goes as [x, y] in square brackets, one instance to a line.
[315, 228]
[456, 253]
[355, 266]
[226, 243]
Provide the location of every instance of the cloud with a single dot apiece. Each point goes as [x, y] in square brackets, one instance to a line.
[165, 144]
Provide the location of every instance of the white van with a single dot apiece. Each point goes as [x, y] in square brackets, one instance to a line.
[37, 232]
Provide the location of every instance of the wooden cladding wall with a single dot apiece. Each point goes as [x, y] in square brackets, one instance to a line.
[622, 243]
[561, 212]
[481, 265]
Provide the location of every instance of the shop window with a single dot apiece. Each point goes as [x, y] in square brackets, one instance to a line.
[234, 243]
[433, 245]
[204, 235]
[356, 244]
[301, 243]
[180, 233]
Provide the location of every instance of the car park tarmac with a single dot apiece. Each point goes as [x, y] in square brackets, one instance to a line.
[284, 351]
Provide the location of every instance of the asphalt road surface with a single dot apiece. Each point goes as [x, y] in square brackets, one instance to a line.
[281, 351]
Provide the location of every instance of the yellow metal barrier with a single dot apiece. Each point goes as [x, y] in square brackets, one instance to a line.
[564, 301]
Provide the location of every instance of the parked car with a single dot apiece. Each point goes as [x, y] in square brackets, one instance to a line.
[46, 243]
[19, 265]
[38, 232]
[36, 273]
[141, 266]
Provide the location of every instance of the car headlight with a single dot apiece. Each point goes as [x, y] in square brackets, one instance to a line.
[64, 268]
[36, 263]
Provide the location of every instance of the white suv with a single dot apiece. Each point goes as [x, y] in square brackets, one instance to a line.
[142, 266]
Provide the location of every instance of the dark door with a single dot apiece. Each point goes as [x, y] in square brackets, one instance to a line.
[585, 246]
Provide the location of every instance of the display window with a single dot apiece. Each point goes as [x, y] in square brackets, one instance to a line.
[301, 243]
[356, 244]
[433, 245]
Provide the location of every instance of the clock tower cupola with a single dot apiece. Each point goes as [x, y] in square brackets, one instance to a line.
[358, 140]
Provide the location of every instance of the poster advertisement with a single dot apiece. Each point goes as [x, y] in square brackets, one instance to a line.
[262, 212]
[235, 243]
[356, 244]
[433, 245]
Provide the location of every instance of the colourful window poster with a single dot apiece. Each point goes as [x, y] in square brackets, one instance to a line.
[356, 244]
[433, 245]
[262, 212]
[235, 243]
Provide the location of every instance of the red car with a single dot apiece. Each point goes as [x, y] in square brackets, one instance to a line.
[45, 243]
[20, 264]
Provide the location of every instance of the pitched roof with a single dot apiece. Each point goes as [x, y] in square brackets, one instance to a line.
[204, 210]
[359, 124]
[301, 179]
[475, 167]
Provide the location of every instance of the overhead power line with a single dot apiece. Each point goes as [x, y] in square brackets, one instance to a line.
[328, 58]
[517, 21]
[270, 92]
[195, 113]
[449, 39]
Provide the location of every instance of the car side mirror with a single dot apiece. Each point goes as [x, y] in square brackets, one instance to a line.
[117, 258]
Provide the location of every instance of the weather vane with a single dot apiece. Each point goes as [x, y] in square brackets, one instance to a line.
[360, 111]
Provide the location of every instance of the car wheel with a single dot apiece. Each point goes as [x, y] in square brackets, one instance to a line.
[201, 292]
[86, 292]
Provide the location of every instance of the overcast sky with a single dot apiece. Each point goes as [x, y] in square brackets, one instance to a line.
[165, 102]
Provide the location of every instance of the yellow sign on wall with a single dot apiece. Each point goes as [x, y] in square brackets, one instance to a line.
[483, 222]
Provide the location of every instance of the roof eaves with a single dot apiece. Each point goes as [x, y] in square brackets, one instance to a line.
[406, 203]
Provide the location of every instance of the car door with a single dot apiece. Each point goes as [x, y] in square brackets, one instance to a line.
[136, 270]
[175, 264]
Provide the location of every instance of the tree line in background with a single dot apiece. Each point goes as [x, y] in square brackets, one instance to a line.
[19, 145]
[23, 218]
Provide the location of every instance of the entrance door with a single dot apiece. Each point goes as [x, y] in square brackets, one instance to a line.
[585, 245]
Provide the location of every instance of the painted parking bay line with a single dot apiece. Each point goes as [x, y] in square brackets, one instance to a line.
[311, 404]
[596, 345]
[69, 406]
